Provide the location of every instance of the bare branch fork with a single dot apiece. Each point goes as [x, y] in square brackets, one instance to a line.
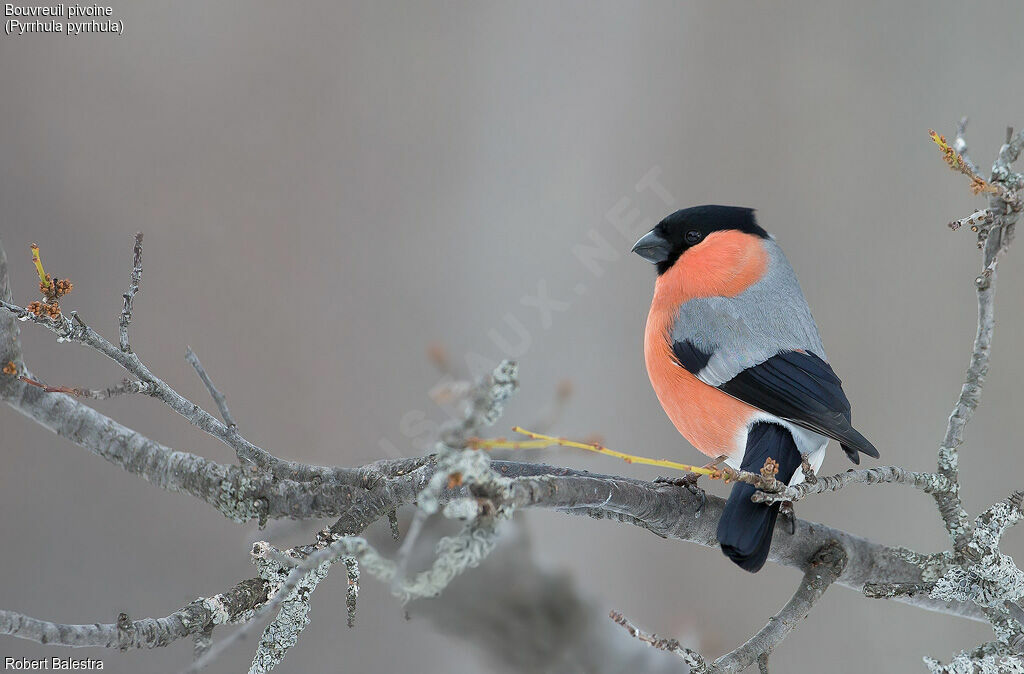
[973, 579]
[823, 570]
[218, 397]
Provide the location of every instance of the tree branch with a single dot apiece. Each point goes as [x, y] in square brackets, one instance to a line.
[993, 236]
[384, 486]
[75, 330]
[10, 344]
[126, 634]
[929, 483]
[129, 296]
[694, 660]
[825, 568]
[960, 144]
[218, 397]
[671, 512]
[126, 387]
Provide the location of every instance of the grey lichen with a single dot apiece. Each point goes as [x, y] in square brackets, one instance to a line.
[219, 611]
[986, 576]
[932, 566]
[487, 498]
[455, 554]
[352, 592]
[235, 497]
[462, 509]
[978, 663]
[995, 580]
[472, 467]
[293, 616]
[484, 405]
[504, 382]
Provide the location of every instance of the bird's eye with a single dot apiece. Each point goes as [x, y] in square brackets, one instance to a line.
[693, 236]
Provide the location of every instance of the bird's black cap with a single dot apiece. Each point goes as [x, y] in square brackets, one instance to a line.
[687, 228]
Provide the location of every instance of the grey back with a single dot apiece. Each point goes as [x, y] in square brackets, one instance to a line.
[742, 331]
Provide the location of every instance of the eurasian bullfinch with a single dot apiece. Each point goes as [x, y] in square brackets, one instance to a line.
[736, 361]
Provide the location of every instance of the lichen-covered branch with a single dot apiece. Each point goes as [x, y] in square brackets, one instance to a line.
[929, 483]
[975, 570]
[371, 492]
[994, 234]
[231, 606]
[671, 512]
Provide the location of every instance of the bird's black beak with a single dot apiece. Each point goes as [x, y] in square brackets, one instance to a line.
[652, 247]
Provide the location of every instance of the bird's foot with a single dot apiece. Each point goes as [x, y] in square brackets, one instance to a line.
[684, 481]
[787, 511]
[805, 466]
[688, 481]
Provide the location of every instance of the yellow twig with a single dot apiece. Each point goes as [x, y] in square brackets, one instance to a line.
[541, 441]
[956, 162]
[43, 278]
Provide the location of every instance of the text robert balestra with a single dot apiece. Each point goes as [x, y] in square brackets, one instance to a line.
[55, 663]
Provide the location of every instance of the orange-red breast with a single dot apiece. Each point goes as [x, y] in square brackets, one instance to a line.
[736, 361]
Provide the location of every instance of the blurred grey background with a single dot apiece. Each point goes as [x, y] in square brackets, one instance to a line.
[327, 189]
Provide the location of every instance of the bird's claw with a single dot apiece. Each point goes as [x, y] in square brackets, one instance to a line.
[689, 481]
[699, 493]
[787, 511]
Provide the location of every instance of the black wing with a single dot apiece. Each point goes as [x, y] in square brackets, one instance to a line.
[802, 389]
[689, 356]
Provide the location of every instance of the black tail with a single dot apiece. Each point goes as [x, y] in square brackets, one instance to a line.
[745, 530]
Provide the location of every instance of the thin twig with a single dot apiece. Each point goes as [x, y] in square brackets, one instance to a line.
[406, 548]
[542, 441]
[129, 295]
[218, 397]
[126, 387]
[692, 658]
[77, 331]
[960, 145]
[975, 221]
